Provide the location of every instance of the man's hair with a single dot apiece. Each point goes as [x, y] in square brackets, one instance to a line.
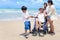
[50, 2]
[45, 4]
[23, 8]
[41, 9]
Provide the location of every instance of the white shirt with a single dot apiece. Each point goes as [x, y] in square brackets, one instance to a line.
[25, 16]
[41, 17]
[51, 11]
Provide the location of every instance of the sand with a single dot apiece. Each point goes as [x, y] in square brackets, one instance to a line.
[11, 30]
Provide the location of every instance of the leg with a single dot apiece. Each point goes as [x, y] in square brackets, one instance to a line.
[37, 25]
[51, 26]
[26, 26]
[40, 25]
[30, 28]
[25, 31]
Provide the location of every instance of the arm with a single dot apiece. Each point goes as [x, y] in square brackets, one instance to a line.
[45, 14]
[36, 16]
[31, 17]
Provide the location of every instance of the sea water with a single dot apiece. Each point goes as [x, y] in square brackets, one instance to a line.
[15, 14]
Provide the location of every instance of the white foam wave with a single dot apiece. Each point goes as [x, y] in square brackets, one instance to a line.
[9, 11]
[11, 19]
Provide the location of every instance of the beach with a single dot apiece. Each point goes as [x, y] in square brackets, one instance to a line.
[11, 30]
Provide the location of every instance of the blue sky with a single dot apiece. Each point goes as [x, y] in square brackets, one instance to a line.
[28, 3]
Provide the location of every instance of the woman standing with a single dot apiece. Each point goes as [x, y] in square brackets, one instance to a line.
[51, 12]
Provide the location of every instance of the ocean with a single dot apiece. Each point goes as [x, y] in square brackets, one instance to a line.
[15, 14]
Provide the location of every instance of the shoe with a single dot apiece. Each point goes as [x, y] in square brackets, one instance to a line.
[44, 32]
[41, 34]
[30, 32]
[52, 33]
[26, 36]
[35, 33]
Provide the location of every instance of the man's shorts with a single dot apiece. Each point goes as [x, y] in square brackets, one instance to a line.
[48, 17]
[27, 25]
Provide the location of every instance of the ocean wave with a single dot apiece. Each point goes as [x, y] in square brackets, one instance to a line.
[10, 11]
[13, 14]
[11, 19]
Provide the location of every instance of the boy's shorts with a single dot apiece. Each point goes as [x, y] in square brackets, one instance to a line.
[27, 25]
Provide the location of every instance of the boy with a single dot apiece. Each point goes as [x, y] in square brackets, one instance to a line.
[26, 19]
[41, 19]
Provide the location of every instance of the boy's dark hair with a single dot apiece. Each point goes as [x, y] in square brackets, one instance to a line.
[23, 8]
[50, 2]
[41, 9]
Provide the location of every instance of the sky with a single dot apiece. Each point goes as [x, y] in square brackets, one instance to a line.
[28, 3]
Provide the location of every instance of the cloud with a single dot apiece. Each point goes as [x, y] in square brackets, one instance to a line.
[37, 1]
[28, 3]
[18, 3]
[7, 4]
[3, 0]
[57, 3]
[56, 0]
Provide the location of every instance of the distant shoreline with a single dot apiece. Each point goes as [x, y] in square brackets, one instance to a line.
[19, 18]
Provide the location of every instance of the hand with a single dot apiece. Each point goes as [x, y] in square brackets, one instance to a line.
[31, 16]
[35, 17]
[27, 18]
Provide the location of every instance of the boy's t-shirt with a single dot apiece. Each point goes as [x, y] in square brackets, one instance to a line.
[25, 16]
[41, 17]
